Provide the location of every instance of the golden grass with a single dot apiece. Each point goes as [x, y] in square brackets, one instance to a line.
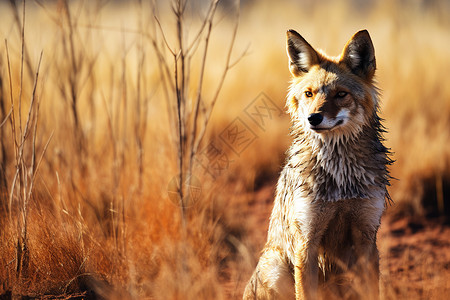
[99, 220]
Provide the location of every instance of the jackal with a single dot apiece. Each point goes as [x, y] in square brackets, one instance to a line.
[332, 191]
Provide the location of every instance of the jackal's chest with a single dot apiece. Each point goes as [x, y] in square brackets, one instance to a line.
[335, 173]
[333, 220]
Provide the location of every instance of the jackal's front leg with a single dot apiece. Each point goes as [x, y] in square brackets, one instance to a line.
[306, 272]
[367, 264]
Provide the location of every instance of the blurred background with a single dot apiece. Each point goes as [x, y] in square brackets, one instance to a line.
[106, 106]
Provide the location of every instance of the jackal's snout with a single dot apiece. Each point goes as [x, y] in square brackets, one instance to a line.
[315, 119]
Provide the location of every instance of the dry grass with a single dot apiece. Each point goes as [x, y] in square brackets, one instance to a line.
[98, 220]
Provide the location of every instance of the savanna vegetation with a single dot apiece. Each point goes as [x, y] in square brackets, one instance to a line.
[106, 106]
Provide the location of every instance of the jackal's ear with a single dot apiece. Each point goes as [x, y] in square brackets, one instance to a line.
[301, 55]
[359, 55]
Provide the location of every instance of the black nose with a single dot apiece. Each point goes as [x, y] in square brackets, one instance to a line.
[315, 119]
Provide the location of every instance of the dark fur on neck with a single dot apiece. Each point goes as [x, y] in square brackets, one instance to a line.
[331, 168]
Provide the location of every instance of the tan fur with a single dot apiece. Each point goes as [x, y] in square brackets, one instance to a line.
[331, 193]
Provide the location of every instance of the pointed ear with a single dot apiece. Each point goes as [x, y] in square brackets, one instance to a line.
[301, 55]
[359, 55]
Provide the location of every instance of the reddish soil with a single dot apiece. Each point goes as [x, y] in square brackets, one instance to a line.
[415, 258]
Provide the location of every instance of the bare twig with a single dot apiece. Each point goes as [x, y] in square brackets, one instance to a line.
[13, 128]
[164, 36]
[3, 152]
[25, 173]
[207, 20]
[33, 166]
[20, 27]
[6, 118]
[200, 84]
[228, 65]
[189, 117]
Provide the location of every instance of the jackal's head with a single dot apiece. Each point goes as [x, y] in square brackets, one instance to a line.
[332, 96]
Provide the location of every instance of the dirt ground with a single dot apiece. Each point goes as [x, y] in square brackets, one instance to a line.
[415, 258]
[414, 252]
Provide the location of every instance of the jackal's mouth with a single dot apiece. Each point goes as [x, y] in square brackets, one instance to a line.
[318, 128]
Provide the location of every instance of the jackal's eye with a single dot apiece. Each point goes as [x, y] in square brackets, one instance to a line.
[308, 94]
[341, 94]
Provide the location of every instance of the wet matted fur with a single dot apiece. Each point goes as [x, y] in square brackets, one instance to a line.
[332, 191]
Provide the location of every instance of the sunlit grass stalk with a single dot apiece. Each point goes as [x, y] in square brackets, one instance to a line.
[22, 185]
[20, 25]
[4, 117]
[73, 80]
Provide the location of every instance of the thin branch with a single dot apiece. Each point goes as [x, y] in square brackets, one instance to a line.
[200, 87]
[167, 84]
[238, 59]
[22, 42]
[33, 98]
[20, 26]
[164, 67]
[13, 121]
[208, 110]
[206, 20]
[181, 101]
[6, 118]
[13, 130]
[33, 157]
[227, 64]
[176, 79]
[164, 36]
[181, 90]
[39, 163]
[180, 142]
